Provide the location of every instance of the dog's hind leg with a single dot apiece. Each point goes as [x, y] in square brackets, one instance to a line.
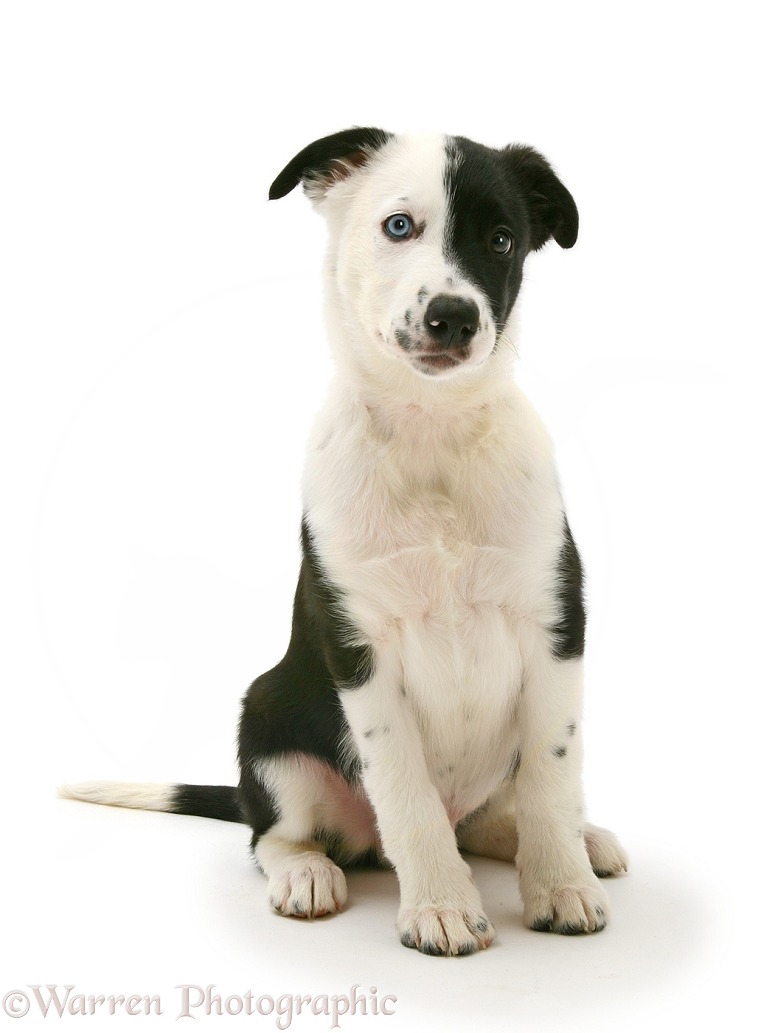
[313, 812]
[303, 881]
[491, 831]
[606, 855]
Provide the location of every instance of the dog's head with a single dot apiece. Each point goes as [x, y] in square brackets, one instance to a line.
[428, 239]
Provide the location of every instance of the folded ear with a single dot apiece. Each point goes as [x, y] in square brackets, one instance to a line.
[551, 209]
[327, 161]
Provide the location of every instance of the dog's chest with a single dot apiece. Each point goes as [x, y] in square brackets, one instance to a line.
[435, 530]
[439, 553]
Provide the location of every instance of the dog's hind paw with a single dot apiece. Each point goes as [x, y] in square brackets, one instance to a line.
[606, 855]
[444, 930]
[308, 886]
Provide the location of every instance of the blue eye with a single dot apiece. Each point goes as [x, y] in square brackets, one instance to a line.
[398, 226]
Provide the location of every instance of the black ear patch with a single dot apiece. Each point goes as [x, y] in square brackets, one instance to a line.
[329, 160]
[551, 209]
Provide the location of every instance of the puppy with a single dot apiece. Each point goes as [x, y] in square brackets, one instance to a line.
[429, 701]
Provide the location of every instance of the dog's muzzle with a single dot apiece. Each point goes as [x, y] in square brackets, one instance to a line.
[450, 324]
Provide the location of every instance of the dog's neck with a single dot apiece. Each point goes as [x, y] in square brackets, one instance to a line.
[398, 397]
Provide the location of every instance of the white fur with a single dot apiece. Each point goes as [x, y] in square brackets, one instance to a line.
[372, 281]
[144, 796]
[433, 504]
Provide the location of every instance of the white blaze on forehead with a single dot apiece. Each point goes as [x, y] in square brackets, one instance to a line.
[409, 177]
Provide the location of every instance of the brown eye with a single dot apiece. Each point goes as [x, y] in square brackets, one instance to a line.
[501, 242]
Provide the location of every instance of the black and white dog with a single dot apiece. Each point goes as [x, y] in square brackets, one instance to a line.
[429, 701]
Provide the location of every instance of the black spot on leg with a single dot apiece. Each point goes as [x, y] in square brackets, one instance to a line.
[560, 751]
[571, 728]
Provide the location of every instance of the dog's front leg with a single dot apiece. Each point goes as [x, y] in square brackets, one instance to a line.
[440, 910]
[560, 891]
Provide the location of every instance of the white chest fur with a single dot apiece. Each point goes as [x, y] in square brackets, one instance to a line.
[441, 530]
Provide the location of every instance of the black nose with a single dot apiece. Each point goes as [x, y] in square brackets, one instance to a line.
[451, 321]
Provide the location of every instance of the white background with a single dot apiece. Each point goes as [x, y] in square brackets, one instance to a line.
[162, 356]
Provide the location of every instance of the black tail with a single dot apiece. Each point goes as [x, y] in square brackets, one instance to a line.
[206, 801]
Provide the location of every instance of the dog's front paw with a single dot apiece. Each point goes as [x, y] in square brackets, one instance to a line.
[579, 907]
[308, 886]
[437, 929]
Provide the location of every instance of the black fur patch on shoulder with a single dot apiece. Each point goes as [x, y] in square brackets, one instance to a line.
[294, 708]
[349, 664]
[568, 631]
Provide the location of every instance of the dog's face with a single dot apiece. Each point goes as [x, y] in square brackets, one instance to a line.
[429, 236]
